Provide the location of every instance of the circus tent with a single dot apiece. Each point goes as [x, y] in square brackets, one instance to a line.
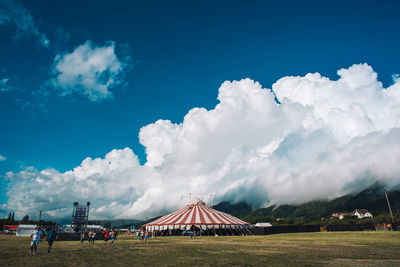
[197, 215]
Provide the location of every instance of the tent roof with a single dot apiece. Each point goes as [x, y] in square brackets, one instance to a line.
[197, 213]
[11, 227]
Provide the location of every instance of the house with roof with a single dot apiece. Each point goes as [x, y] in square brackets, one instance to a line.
[338, 215]
[362, 213]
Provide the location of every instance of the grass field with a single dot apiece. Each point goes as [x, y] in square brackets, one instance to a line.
[303, 249]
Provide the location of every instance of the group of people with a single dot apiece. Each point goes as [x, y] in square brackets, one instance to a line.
[91, 236]
[110, 234]
[51, 234]
[38, 234]
[143, 235]
[190, 233]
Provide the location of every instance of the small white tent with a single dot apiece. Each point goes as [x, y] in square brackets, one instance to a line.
[25, 229]
[262, 225]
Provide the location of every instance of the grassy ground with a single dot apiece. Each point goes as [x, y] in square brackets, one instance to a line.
[305, 249]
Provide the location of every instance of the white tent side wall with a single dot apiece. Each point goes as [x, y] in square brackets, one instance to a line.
[25, 229]
[263, 225]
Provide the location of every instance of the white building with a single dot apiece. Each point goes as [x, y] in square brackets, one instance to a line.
[362, 213]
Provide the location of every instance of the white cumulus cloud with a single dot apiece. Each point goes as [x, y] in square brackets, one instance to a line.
[89, 70]
[2, 158]
[325, 139]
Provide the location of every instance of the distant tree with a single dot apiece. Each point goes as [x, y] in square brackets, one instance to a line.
[9, 216]
[12, 217]
[26, 218]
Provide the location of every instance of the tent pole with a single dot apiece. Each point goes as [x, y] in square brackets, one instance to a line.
[248, 231]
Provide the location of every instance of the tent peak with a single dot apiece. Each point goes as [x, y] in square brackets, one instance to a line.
[196, 201]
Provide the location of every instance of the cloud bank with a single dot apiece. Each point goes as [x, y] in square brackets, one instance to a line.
[89, 70]
[325, 139]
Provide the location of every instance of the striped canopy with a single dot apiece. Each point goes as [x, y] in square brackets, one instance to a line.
[196, 213]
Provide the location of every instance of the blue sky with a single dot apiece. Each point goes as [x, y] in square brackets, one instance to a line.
[174, 56]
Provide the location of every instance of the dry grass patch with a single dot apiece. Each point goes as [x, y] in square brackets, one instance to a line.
[305, 249]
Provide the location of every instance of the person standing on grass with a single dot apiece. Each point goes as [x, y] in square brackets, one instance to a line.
[82, 237]
[141, 235]
[35, 239]
[93, 237]
[106, 233]
[112, 237]
[146, 236]
[89, 237]
[51, 236]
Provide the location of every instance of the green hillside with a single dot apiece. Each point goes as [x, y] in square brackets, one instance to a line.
[372, 199]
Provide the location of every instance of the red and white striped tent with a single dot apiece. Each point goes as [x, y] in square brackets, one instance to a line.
[199, 215]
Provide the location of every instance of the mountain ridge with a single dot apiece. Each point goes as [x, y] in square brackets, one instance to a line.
[372, 199]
